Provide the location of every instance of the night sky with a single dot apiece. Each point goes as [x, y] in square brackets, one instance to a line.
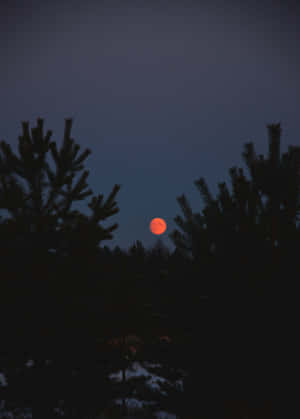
[162, 92]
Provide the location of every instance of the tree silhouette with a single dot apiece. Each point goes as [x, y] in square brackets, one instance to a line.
[259, 214]
[32, 212]
[248, 239]
[278, 179]
[137, 250]
[38, 200]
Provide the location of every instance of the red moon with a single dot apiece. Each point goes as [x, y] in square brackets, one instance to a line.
[158, 226]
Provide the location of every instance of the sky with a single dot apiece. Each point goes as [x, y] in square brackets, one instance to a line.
[162, 92]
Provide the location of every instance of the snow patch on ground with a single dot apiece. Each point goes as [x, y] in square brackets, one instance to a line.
[30, 363]
[137, 370]
[132, 403]
[3, 382]
[164, 415]
[15, 414]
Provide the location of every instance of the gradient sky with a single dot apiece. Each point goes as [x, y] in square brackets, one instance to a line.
[162, 92]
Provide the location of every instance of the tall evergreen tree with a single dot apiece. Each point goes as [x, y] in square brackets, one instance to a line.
[251, 236]
[32, 212]
[278, 179]
[39, 221]
[259, 211]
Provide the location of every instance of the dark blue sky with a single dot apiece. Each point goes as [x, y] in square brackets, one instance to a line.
[162, 92]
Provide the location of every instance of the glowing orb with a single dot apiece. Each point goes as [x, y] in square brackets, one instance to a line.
[158, 226]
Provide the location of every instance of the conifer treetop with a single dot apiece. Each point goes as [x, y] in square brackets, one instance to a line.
[30, 209]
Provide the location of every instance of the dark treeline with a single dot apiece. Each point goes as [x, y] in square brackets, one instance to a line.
[67, 297]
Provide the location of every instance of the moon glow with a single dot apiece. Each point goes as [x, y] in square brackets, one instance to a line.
[158, 226]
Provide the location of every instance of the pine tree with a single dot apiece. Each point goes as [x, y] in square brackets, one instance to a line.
[137, 250]
[249, 239]
[32, 212]
[41, 219]
[259, 211]
[277, 178]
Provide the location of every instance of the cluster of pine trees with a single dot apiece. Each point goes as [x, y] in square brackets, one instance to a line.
[66, 297]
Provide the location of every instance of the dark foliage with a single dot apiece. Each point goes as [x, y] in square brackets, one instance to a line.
[93, 310]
